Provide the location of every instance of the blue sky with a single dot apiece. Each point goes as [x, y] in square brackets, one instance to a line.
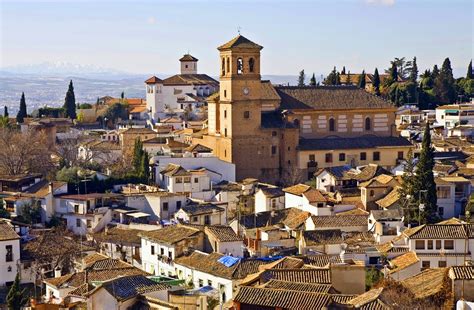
[149, 36]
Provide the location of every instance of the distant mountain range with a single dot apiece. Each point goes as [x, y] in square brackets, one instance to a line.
[46, 84]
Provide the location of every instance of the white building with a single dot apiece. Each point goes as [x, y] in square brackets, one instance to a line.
[454, 115]
[181, 93]
[9, 253]
[202, 214]
[269, 199]
[194, 182]
[385, 224]
[307, 199]
[161, 247]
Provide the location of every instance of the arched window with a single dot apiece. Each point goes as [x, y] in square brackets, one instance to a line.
[240, 66]
[228, 65]
[223, 66]
[251, 64]
[332, 124]
[368, 124]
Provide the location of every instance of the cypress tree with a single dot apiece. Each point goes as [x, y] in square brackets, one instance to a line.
[424, 180]
[435, 72]
[145, 167]
[376, 82]
[408, 182]
[338, 79]
[137, 155]
[444, 83]
[414, 71]
[343, 70]
[70, 102]
[394, 73]
[312, 82]
[361, 81]
[5, 111]
[301, 78]
[22, 112]
[469, 74]
[16, 298]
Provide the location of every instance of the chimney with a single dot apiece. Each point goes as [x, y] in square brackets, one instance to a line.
[50, 186]
[57, 272]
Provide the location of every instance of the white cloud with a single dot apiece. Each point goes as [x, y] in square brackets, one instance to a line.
[151, 20]
[381, 2]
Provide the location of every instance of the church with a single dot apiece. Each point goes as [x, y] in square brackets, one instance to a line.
[276, 133]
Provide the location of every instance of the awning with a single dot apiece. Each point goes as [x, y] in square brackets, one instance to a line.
[138, 214]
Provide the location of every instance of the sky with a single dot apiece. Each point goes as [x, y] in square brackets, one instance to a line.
[150, 36]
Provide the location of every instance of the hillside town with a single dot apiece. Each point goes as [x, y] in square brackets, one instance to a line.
[355, 192]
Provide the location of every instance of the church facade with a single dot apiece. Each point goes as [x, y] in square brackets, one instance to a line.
[278, 133]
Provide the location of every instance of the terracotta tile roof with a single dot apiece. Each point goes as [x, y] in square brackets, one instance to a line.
[223, 233]
[390, 199]
[94, 257]
[462, 272]
[136, 131]
[321, 261]
[355, 211]
[312, 275]
[41, 189]
[174, 170]
[435, 231]
[190, 79]
[302, 287]
[198, 148]
[208, 263]
[452, 221]
[380, 180]
[7, 232]
[170, 234]
[240, 42]
[285, 263]
[119, 235]
[314, 195]
[188, 57]
[338, 172]
[363, 142]
[427, 283]
[153, 80]
[205, 208]
[331, 221]
[387, 214]
[403, 261]
[369, 300]
[52, 243]
[284, 299]
[322, 237]
[329, 98]
[295, 218]
[81, 290]
[297, 189]
[268, 92]
[128, 287]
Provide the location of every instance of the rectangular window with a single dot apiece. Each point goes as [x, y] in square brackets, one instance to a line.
[312, 157]
[207, 220]
[443, 192]
[78, 222]
[430, 245]
[274, 149]
[449, 244]
[209, 282]
[425, 264]
[162, 251]
[196, 180]
[376, 156]
[225, 113]
[178, 205]
[195, 218]
[328, 157]
[420, 244]
[363, 156]
[342, 157]
[201, 283]
[225, 132]
[89, 223]
[187, 179]
[246, 114]
[165, 206]
[179, 180]
[400, 155]
[9, 254]
[76, 208]
[438, 244]
[152, 250]
[170, 254]
[274, 133]
[442, 264]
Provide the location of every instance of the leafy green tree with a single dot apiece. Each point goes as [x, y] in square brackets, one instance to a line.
[20, 117]
[70, 102]
[3, 211]
[414, 71]
[301, 78]
[16, 298]
[116, 111]
[69, 175]
[426, 80]
[5, 111]
[338, 79]
[312, 82]
[470, 74]
[424, 183]
[444, 84]
[84, 106]
[361, 81]
[435, 72]
[376, 82]
[343, 70]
